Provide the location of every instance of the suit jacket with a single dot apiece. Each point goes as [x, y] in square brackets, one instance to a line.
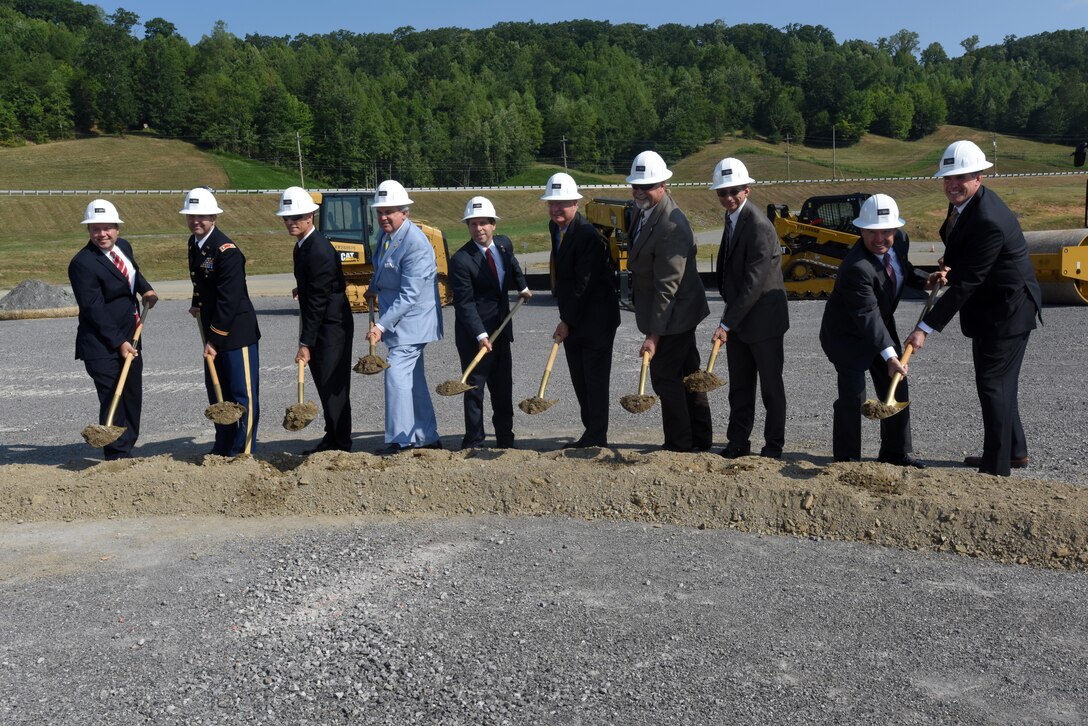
[218, 272]
[991, 281]
[479, 302]
[750, 279]
[858, 319]
[665, 287]
[106, 304]
[322, 303]
[406, 284]
[584, 288]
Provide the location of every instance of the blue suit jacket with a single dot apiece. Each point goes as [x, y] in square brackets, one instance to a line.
[406, 284]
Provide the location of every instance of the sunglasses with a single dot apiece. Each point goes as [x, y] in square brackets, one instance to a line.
[731, 192]
[294, 217]
[645, 187]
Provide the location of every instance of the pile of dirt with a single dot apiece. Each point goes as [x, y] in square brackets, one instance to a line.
[37, 299]
[1024, 521]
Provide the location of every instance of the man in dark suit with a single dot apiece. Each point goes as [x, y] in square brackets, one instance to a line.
[756, 317]
[106, 281]
[858, 331]
[326, 328]
[481, 272]
[992, 285]
[227, 320]
[669, 302]
[589, 310]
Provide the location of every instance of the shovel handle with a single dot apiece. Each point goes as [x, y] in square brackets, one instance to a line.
[713, 356]
[548, 369]
[301, 379]
[642, 374]
[215, 379]
[370, 310]
[479, 357]
[897, 376]
[502, 325]
[124, 369]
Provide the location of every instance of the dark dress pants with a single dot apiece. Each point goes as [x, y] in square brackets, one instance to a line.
[747, 361]
[685, 416]
[590, 365]
[895, 438]
[997, 378]
[330, 366]
[105, 372]
[495, 370]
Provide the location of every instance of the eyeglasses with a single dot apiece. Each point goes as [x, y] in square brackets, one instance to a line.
[734, 192]
[645, 187]
[294, 217]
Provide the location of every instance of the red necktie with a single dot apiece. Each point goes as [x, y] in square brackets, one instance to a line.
[491, 264]
[891, 272]
[124, 271]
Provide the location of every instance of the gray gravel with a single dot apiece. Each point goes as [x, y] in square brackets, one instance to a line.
[37, 295]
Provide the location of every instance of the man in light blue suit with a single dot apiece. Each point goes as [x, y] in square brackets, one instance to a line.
[405, 284]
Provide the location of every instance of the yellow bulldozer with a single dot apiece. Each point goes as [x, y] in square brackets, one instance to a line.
[815, 241]
[349, 223]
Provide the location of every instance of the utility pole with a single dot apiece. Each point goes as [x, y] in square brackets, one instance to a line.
[994, 143]
[298, 145]
[788, 139]
[834, 155]
[564, 152]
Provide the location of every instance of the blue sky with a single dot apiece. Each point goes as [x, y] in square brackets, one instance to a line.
[935, 21]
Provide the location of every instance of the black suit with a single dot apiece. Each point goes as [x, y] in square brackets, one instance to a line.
[859, 323]
[229, 322]
[327, 328]
[589, 305]
[757, 318]
[107, 319]
[993, 287]
[480, 304]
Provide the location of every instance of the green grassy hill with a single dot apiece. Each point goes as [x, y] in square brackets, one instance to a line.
[49, 232]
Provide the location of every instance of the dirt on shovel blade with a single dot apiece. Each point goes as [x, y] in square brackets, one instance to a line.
[299, 416]
[879, 410]
[536, 404]
[452, 388]
[638, 404]
[703, 382]
[224, 413]
[99, 435]
[368, 365]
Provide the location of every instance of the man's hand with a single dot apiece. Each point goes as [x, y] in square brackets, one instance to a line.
[126, 350]
[938, 278]
[209, 351]
[485, 342]
[561, 332]
[895, 366]
[294, 293]
[303, 355]
[721, 334]
[149, 299]
[916, 339]
[195, 312]
[526, 295]
[649, 345]
[374, 335]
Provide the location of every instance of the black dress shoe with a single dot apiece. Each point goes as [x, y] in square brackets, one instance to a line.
[1016, 462]
[436, 444]
[390, 449]
[472, 444]
[579, 444]
[735, 452]
[505, 444]
[769, 453]
[904, 460]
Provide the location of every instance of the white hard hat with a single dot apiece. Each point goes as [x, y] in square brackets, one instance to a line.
[730, 172]
[296, 200]
[101, 212]
[879, 212]
[391, 194]
[962, 157]
[561, 188]
[479, 207]
[200, 201]
[648, 168]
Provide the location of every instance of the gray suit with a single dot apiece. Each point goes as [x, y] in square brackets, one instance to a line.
[670, 302]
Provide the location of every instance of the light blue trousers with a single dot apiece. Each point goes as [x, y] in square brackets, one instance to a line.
[409, 413]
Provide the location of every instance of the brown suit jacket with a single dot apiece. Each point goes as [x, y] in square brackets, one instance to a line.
[665, 287]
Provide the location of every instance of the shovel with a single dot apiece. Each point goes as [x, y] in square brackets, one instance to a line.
[100, 435]
[539, 404]
[220, 412]
[640, 403]
[878, 410]
[299, 415]
[454, 388]
[705, 381]
[371, 363]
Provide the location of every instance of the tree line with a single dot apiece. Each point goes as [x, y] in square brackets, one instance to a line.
[458, 107]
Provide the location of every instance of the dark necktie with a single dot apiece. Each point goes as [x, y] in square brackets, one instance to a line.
[491, 264]
[120, 264]
[727, 238]
[891, 272]
[953, 215]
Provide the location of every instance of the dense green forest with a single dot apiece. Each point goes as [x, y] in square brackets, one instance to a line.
[458, 107]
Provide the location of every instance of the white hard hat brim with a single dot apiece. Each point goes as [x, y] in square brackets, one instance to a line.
[880, 225]
[954, 171]
[650, 180]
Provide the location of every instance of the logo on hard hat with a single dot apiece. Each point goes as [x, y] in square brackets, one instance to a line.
[640, 168]
[477, 205]
[99, 210]
[193, 201]
[383, 193]
[883, 212]
[557, 185]
[727, 172]
[949, 161]
[287, 202]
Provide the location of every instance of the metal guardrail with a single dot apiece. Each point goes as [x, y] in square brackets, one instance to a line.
[531, 187]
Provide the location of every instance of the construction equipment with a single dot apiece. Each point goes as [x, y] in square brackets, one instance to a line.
[615, 220]
[348, 221]
[815, 242]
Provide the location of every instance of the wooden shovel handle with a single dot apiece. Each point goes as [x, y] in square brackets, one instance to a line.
[301, 379]
[898, 376]
[370, 310]
[713, 356]
[215, 379]
[124, 369]
[494, 336]
[642, 374]
[479, 356]
[548, 369]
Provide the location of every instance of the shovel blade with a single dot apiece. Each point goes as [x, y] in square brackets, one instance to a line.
[878, 410]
